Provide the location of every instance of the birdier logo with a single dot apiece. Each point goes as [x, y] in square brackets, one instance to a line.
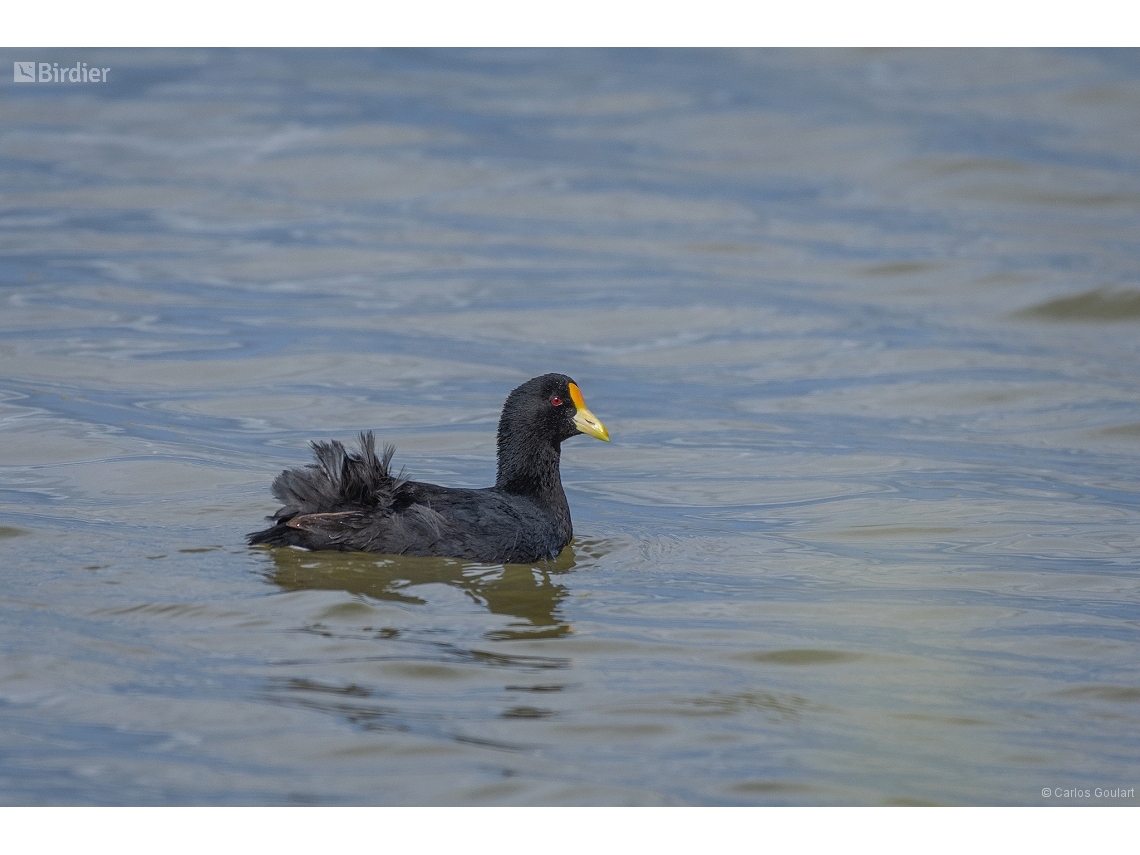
[52, 72]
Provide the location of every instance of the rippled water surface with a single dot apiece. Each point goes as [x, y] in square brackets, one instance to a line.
[864, 328]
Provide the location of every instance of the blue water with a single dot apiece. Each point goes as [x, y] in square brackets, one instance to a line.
[862, 326]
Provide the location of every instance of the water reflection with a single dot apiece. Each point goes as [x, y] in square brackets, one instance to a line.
[528, 592]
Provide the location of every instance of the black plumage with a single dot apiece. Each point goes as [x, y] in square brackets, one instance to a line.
[351, 501]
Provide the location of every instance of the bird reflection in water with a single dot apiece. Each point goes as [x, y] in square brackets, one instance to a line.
[530, 593]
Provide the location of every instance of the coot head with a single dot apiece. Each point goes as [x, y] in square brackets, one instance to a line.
[548, 410]
[537, 417]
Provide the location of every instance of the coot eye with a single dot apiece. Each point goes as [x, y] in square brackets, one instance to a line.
[556, 401]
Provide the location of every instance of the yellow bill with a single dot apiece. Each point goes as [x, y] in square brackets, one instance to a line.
[584, 420]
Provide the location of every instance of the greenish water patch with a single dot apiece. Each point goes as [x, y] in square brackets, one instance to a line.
[1121, 694]
[901, 268]
[803, 657]
[351, 689]
[770, 787]
[722, 704]
[1100, 304]
[1132, 430]
[907, 801]
[527, 712]
[12, 531]
[957, 721]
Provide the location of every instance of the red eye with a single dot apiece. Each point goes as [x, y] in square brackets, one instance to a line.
[556, 401]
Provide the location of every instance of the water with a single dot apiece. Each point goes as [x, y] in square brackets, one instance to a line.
[862, 326]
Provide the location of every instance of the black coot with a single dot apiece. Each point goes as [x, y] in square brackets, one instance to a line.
[352, 502]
